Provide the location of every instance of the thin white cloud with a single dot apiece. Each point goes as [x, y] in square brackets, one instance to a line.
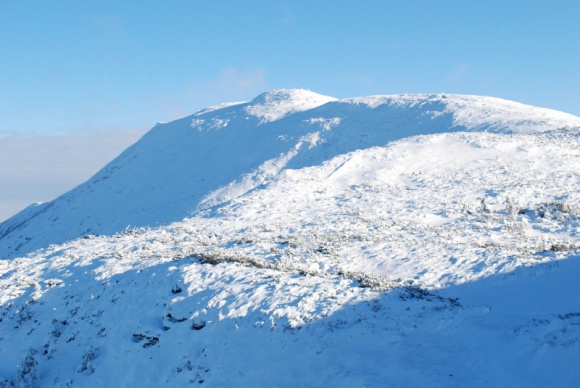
[110, 24]
[459, 73]
[230, 85]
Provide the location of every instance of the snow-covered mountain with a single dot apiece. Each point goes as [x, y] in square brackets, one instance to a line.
[297, 239]
[223, 152]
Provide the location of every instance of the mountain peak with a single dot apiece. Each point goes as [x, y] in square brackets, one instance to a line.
[293, 95]
[277, 103]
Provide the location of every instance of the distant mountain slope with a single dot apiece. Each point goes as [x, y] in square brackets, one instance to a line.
[223, 152]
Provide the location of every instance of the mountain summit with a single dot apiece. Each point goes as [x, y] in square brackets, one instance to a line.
[301, 240]
[221, 153]
[276, 104]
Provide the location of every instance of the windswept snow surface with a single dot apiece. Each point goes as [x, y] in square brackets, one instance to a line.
[379, 241]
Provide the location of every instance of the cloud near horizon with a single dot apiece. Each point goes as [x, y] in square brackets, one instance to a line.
[39, 168]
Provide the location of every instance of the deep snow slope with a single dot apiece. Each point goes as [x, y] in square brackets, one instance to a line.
[223, 152]
[379, 241]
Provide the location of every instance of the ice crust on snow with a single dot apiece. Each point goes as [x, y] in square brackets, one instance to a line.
[283, 240]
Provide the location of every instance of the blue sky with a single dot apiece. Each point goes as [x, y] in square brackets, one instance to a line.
[78, 73]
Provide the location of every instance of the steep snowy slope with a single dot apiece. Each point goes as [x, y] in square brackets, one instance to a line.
[437, 260]
[220, 153]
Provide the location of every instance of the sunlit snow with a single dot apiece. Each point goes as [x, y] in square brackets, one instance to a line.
[300, 240]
